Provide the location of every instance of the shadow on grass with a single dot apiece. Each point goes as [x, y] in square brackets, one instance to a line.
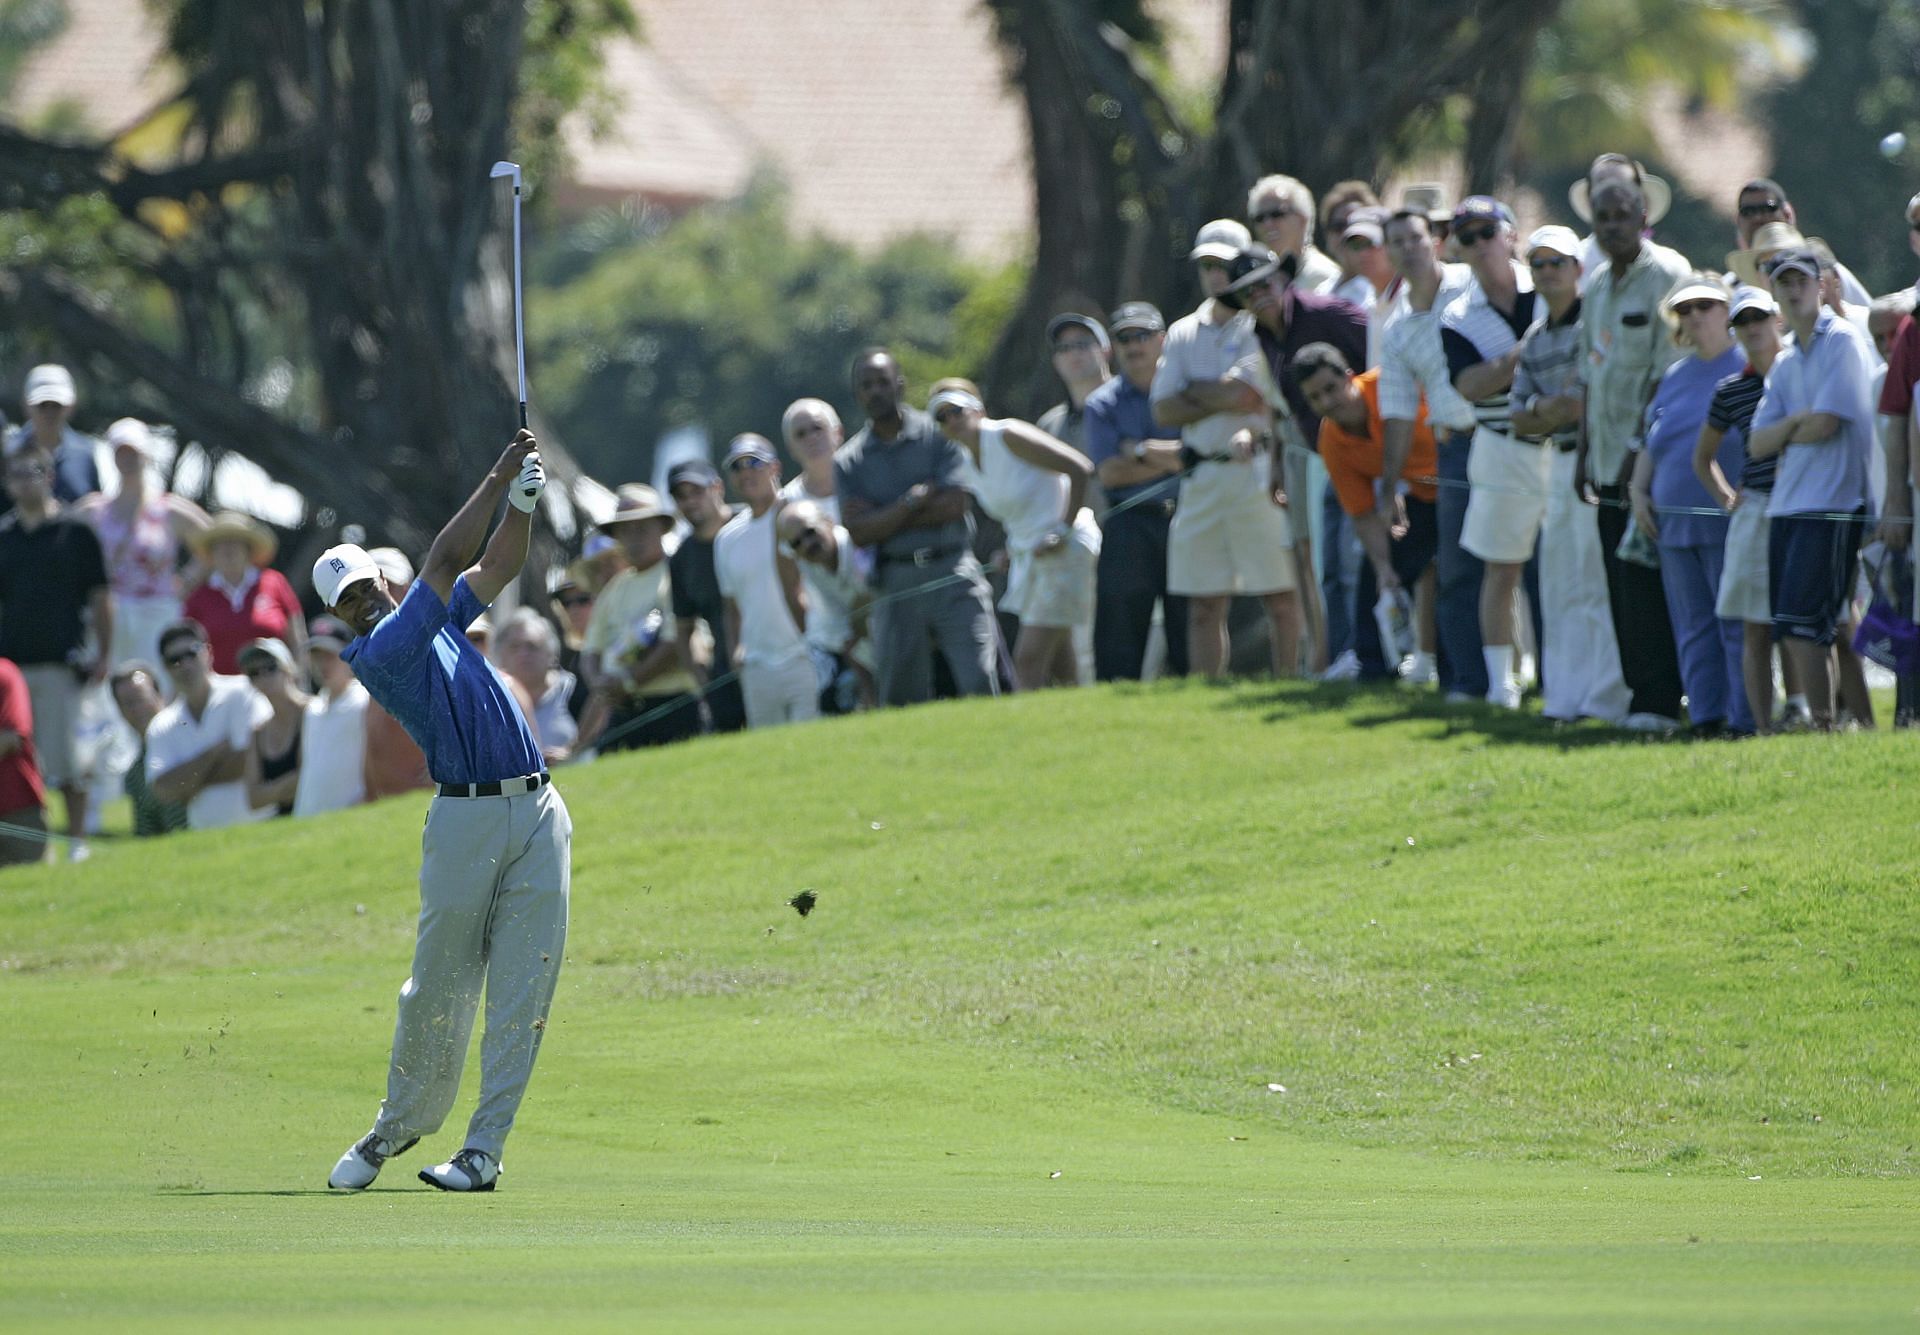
[264, 1191]
[1376, 705]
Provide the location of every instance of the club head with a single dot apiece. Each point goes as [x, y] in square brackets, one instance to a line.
[506, 169]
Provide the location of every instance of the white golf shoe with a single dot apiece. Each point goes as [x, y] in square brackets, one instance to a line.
[361, 1164]
[469, 1170]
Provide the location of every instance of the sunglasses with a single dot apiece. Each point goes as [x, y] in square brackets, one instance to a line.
[1686, 308]
[1763, 207]
[742, 465]
[1274, 215]
[1076, 345]
[1134, 336]
[1914, 223]
[257, 669]
[179, 656]
[1541, 263]
[946, 414]
[1748, 319]
[1473, 236]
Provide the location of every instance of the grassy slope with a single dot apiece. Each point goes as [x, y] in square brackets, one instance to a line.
[1542, 1009]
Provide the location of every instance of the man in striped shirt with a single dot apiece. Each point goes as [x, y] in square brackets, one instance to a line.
[1480, 331]
[1579, 660]
[1413, 365]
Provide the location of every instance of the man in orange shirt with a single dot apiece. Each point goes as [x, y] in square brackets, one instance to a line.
[1352, 440]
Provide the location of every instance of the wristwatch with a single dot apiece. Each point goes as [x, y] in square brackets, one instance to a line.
[1140, 451]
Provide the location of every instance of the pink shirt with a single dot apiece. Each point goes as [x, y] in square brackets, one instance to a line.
[142, 555]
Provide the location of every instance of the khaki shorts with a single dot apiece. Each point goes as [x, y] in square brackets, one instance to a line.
[1510, 480]
[1744, 589]
[1052, 591]
[55, 693]
[1228, 536]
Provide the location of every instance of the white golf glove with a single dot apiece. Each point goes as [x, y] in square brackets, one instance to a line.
[526, 489]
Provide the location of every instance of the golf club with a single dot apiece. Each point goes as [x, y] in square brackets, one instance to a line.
[519, 329]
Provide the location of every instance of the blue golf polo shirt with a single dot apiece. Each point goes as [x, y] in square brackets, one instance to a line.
[418, 664]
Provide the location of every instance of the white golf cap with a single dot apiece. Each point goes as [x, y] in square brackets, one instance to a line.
[1221, 239]
[340, 566]
[132, 433]
[50, 384]
[1560, 240]
[1751, 299]
[1697, 287]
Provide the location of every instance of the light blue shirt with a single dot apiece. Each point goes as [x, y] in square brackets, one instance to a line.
[418, 664]
[1832, 374]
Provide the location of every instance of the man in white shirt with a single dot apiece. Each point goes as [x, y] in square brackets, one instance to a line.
[333, 735]
[197, 746]
[765, 608]
[1229, 534]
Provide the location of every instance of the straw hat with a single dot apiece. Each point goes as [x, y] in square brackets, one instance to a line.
[1657, 193]
[1769, 239]
[231, 524]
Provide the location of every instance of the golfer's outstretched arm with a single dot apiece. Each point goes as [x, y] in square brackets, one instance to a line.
[447, 559]
[506, 553]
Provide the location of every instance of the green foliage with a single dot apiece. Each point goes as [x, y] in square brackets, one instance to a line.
[24, 26]
[725, 316]
[1595, 64]
[1863, 82]
[560, 74]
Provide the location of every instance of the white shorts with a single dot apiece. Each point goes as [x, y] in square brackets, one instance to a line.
[783, 692]
[1745, 594]
[1056, 591]
[1228, 536]
[1510, 480]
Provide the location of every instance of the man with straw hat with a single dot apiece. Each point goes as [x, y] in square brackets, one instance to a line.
[244, 598]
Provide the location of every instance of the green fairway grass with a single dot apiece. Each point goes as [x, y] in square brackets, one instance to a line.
[1149, 1009]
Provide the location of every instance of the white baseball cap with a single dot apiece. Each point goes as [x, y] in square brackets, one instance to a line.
[50, 384]
[340, 566]
[1553, 237]
[131, 432]
[1751, 299]
[1221, 239]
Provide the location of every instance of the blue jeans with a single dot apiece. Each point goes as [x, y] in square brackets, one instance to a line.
[1341, 558]
[1710, 647]
[1457, 603]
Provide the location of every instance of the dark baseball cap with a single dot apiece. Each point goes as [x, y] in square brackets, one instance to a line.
[697, 471]
[1137, 315]
[1804, 258]
[1481, 208]
[1086, 322]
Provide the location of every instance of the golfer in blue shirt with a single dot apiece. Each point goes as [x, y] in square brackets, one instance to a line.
[494, 862]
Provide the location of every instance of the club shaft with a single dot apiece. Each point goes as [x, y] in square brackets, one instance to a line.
[519, 324]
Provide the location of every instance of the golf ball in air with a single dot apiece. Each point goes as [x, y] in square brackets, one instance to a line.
[1893, 145]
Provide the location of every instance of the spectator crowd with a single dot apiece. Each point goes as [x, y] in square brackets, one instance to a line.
[1659, 492]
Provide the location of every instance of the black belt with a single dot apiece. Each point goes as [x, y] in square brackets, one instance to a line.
[920, 556]
[526, 783]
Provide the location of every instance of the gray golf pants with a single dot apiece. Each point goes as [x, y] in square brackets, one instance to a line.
[493, 912]
[958, 616]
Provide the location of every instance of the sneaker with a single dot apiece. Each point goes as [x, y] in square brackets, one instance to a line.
[361, 1164]
[1461, 698]
[1420, 670]
[1650, 723]
[1506, 695]
[469, 1170]
[1344, 668]
[78, 852]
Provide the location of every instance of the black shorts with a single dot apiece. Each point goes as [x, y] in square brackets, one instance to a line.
[1812, 563]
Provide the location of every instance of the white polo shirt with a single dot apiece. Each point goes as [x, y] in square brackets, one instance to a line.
[333, 752]
[234, 709]
[744, 565]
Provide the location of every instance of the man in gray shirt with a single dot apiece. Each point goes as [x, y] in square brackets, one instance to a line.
[900, 494]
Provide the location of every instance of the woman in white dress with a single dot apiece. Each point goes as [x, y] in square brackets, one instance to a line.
[1036, 487]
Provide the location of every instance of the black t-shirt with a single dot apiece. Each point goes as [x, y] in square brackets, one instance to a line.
[696, 593]
[46, 576]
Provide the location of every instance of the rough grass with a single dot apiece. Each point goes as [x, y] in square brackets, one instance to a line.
[1568, 1030]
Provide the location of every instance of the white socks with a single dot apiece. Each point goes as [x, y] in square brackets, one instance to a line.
[1502, 689]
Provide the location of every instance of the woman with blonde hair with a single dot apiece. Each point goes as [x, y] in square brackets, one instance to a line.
[1036, 487]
